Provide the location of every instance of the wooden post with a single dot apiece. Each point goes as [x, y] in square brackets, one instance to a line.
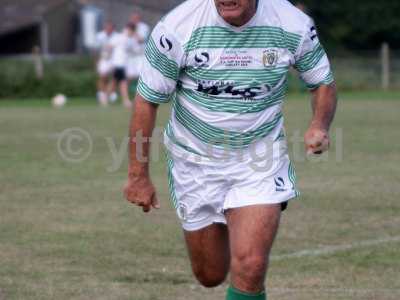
[44, 38]
[385, 56]
[38, 62]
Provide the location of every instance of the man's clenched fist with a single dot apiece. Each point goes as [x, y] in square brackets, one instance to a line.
[316, 140]
[140, 191]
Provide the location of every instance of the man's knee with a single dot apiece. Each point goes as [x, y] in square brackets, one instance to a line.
[249, 270]
[210, 277]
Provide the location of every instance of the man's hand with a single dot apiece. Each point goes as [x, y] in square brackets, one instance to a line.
[324, 101]
[316, 140]
[140, 191]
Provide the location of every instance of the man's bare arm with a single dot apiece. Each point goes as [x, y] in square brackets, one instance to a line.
[142, 125]
[324, 106]
[324, 102]
[139, 189]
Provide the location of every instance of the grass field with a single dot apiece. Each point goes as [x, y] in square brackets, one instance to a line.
[67, 233]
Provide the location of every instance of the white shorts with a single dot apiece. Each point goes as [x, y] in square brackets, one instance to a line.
[201, 193]
[134, 66]
[104, 67]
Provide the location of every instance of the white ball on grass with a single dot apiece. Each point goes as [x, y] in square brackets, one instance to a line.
[59, 100]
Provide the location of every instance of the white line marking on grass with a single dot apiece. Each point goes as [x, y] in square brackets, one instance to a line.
[333, 291]
[335, 249]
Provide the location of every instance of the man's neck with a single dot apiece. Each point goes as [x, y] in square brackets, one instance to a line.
[245, 18]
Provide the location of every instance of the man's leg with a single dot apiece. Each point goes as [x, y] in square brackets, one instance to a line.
[112, 90]
[102, 90]
[209, 254]
[252, 231]
[124, 90]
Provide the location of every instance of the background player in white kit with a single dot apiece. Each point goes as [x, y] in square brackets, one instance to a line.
[125, 45]
[104, 65]
[225, 63]
[135, 60]
[142, 28]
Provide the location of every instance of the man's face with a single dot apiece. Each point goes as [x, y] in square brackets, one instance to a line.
[236, 12]
[109, 27]
[135, 18]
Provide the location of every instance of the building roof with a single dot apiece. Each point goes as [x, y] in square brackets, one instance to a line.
[15, 15]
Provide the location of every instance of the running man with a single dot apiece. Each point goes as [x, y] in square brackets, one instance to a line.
[104, 65]
[224, 63]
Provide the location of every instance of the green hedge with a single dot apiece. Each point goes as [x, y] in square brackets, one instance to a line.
[74, 77]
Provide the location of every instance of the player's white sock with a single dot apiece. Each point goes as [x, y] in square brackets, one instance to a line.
[113, 97]
[102, 98]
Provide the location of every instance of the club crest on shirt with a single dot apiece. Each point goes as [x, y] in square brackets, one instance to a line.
[270, 58]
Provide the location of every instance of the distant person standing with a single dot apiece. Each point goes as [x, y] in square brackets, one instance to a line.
[142, 28]
[135, 61]
[124, 45]
[104, 66]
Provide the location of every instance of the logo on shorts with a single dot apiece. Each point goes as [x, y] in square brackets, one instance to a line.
[280, 184]
[270, 58]
[182, 212]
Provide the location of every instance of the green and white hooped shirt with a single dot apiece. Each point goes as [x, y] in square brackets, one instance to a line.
[228, 83]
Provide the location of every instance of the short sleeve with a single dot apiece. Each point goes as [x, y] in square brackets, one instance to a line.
[161, 66]
[311, 59]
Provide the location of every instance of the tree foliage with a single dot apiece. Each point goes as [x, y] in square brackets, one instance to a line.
[357, 24]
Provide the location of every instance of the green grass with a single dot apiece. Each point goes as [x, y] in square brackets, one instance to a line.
[67, 233]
